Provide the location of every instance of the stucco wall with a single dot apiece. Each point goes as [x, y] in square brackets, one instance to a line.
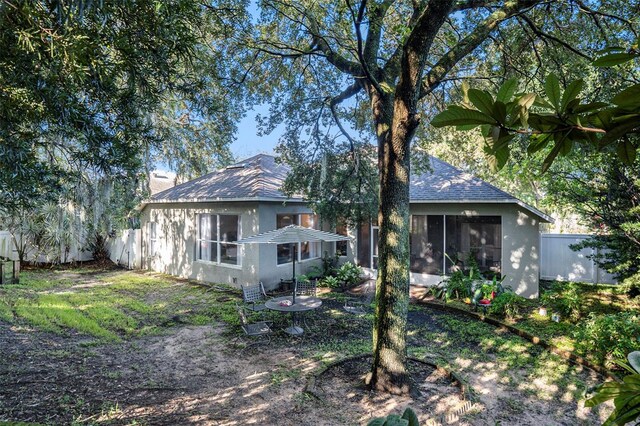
[520, 242]
[177, 232]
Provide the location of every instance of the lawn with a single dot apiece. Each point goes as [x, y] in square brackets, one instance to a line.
[109, 346]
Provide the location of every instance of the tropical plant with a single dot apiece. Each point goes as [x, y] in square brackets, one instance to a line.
[349, 273]
[508, 304]
[608, 337]
[330, 281]
[625, 394]
[458, 285]
[408, 418]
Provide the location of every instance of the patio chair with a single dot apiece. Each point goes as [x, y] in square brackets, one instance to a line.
[254, 296]
[253, 329]
[360, 305]
[307, 288]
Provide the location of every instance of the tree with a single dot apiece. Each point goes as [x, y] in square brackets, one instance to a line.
[377, 64]
[104, 86]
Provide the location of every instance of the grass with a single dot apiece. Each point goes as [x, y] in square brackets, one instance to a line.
[109, 305]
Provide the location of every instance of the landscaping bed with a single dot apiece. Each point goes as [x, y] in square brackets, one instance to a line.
[108, 346]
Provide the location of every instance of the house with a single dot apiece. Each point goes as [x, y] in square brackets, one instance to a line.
[456, 219]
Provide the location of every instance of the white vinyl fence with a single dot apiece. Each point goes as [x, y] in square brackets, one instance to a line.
[559, 262]
[125, 249]
[7, 249]
[74, 253]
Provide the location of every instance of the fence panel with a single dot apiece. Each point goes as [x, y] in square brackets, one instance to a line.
[6, 246]
[559, 262]
[125, 249]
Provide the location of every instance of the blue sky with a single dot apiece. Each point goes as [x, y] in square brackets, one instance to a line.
[248, 143]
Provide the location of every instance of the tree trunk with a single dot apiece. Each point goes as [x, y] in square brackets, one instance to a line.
[389, 373]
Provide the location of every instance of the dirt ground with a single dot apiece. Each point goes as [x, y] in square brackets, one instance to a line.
[198, 375]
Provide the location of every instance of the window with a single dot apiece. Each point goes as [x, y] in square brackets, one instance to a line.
[341, 246]
[469, 241]
[426, 242]
[217, 236]
[475, 241]
[306, 250]
[153, 238]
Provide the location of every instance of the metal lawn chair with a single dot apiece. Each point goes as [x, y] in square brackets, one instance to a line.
[307, 288]
[254, 296]
[253, 329]
[360, 305]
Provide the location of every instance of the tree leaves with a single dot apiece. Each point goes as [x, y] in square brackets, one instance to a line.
[568, 122]
[459, 116]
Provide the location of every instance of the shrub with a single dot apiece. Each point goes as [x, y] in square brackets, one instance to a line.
[330, 281]
[457, 286]
[564, 298]
[508, 304]
[631, 286]
[98, 248]
[607, 337]
[349, 273]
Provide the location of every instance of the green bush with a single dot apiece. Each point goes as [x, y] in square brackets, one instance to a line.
[330, 281]
[349, 273]
[631, 286]
[608, 337]
[508, 305]
[458, 285]
[564, 298]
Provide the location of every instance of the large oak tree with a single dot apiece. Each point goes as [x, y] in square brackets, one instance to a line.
[374, 66]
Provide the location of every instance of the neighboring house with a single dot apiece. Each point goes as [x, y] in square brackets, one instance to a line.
[190, 229]
[160, 180]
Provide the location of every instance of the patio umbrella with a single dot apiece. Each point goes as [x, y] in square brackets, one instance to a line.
[293, 234]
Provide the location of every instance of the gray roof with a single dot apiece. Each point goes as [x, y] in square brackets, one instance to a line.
[448, 184]
[258, 178]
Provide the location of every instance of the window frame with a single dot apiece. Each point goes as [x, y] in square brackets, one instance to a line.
[219, 242]
[153, 238]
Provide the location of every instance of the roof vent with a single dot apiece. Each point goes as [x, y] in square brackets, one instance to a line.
[236, 166]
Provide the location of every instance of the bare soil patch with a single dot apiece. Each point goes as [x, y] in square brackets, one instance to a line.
[197, 374]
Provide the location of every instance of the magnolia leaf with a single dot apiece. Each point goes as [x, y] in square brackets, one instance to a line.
[458, 116]
[554, 153]
[500, 112]
[618, 131]
[628, 98]
[626, 152]
[481, 100]
[610, 49]
[590, 107]
[538, 142]
[571, 93]
[506, 91]
[465, 93]
[411, 417]
[634, 360]
[552, 89]
[613, 59]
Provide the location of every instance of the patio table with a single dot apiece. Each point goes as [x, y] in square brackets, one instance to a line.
[303, 303]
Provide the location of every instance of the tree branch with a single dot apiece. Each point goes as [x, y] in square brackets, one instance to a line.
[542, 34]
[471, 41]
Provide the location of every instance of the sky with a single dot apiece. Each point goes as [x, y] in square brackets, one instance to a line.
[248, 143]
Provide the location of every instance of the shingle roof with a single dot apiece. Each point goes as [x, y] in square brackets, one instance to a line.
[260, 178]
[256, 178]
[448, 184]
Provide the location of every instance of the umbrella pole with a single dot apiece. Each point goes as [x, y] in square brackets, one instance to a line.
[295, 282]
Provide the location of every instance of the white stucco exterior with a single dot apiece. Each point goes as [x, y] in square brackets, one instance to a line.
[177, 242]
